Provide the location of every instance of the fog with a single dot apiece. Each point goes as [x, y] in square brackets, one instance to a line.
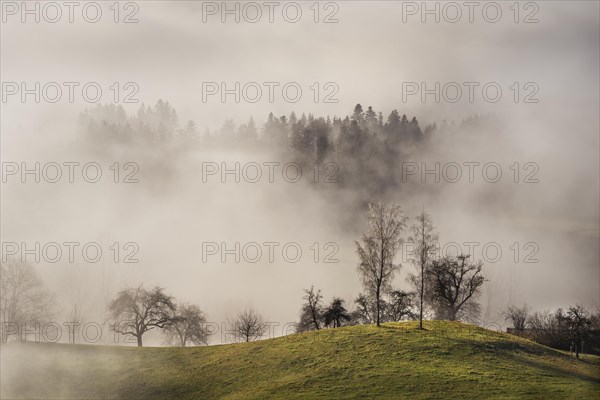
[368, 54]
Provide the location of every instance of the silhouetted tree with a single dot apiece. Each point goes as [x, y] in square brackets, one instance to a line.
[518, 316]
[336, 314]
[188, 325]
[371, 120]
[455, 283]
[358, 115]
[400, 305]
[414, 131]
[311, 314]
[249, 326]
[135, 311]
[275, 132]
[578, 326]
[366, 309]
[549, 328]
[378, 250]
[424, 239]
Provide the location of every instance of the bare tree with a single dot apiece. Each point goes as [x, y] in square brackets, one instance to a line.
[400, 305]
[424, 238]
[578, 326]
[135, 311]
[518, 316]
[378, 250]
[366, 309]
[311, 314]
[549, 328]
[249, 326]
[456, 283]
[23, 299]
[188, 325]
[336, 314]
[595, 317]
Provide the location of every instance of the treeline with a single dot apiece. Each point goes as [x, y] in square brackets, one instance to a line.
[366, 146]
[303, 136]
[576, 329]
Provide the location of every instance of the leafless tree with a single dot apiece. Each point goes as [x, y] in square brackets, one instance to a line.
[249, 326]
[456, 283]
[23, 299]
[424, 239]
[366, 308]
[135, 311]
[311, 314]
[595, 317]
[400, 305]
[548, 328]
[378, 250]
[579, 326]
[336, 314]
[188, 325]
[518, 316]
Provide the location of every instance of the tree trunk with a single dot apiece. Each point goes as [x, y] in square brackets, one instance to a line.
[380, 282]
[422, 267]
[377, 294]
[452, 315]
[577, 350]
[422, 290]
[139, 341]
[315, 320]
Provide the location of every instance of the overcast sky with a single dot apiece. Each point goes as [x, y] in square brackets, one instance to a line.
[367, 54]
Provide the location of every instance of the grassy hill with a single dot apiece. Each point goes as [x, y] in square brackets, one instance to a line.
[448, 360]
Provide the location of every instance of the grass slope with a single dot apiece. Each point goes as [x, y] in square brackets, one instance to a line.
[448, 360]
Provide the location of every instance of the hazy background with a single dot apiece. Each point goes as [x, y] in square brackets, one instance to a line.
[369, 53]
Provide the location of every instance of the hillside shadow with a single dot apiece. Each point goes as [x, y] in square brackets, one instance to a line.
[510, 352]
[556, 370]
